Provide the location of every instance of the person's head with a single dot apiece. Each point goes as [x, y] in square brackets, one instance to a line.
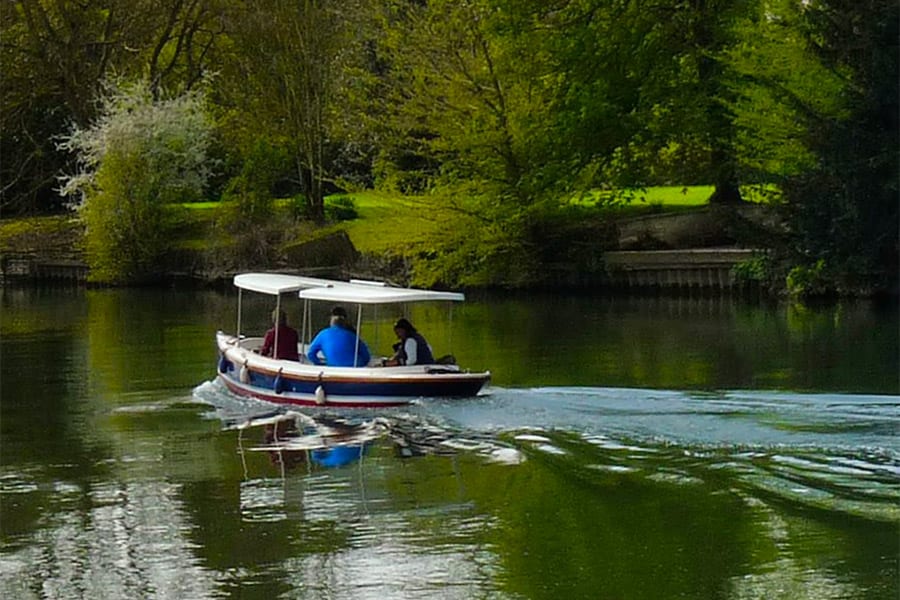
[403, 328]
[278, 317]
[339, 318]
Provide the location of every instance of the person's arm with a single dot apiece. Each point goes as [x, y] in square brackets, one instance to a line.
[393, 361]
[411, 347]
[313, 352]
[363, 358]
[266, 348]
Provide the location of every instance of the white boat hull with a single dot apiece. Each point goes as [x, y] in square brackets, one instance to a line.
[247, 373]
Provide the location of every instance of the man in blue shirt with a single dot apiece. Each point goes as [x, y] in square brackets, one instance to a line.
[338, 344]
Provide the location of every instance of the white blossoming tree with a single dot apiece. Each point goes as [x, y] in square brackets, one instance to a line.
[140, 157]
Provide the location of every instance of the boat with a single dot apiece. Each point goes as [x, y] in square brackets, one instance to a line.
[247, 373]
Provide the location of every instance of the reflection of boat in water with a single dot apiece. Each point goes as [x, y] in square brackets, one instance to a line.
[247, 373]
[291, 437]
[329, 441]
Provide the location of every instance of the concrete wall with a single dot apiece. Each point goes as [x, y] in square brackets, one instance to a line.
[691, 268]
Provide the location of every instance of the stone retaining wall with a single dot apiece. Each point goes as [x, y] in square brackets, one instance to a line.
[26, 267]
[692, 268]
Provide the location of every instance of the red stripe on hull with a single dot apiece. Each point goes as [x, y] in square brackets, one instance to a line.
[301, 401]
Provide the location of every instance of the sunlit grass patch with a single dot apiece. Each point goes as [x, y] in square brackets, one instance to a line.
[31, 234]
[201, 205]
[668, 196]
[671, 197]
[389, 223]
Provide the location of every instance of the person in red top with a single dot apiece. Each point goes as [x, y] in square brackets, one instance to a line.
[287, 339]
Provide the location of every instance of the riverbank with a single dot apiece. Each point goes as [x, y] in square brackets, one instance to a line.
[695, 249]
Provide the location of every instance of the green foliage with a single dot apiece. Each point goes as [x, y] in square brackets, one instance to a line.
[498, 111]
[139, 157]
[470, 94]
[340, 208]
[298, 207]
[249, 226]
[757, 269]
[472, 254]
[808, 280]
[781, 84]
[54, 58]
[819, 110]
[293, 69]
[251, 189]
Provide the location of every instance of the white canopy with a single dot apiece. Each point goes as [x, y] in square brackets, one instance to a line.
[275, 283]
[355, 291]
[368, 294]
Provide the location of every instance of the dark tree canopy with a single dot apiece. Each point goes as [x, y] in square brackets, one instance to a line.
[500, 109]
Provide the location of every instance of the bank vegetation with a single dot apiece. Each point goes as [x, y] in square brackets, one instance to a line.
[496, 138]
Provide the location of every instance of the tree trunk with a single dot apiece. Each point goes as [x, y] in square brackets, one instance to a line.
[312, 190]
[727, 190]
[726, 193]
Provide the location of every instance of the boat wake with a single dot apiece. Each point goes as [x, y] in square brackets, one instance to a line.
[835, 452]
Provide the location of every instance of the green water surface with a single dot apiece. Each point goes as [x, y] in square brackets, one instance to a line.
[630, 448]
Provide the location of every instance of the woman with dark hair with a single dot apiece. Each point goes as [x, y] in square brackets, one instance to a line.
[412, 349]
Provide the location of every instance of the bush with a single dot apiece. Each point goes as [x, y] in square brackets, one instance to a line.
[141, 156]
[248, 227]
[756, 269]
[340, 208]
[808, 280]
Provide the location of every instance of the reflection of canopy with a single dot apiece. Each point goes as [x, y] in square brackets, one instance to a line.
[355, 291]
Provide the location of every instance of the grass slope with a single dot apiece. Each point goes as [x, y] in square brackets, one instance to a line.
[387, 223]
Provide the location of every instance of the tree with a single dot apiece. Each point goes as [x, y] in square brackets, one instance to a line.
[55, 56]
[467, 101]
[138, 159]
[52, 57]
[287, 82]
[820, 100]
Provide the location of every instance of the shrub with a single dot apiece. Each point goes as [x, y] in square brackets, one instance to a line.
[808, 280]
[140, 156]
[340, 208]
[756, 269]
[249, 227]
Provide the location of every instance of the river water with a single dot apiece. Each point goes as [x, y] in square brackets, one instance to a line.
[628, 448]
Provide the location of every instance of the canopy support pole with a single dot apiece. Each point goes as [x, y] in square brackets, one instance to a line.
[358, 324]
[450, 330]
[277, 325]
[238, 332]
[303, 323]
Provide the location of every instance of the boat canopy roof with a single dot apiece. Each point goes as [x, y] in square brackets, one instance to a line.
[275, 283]
[367, 294]
[353, 291]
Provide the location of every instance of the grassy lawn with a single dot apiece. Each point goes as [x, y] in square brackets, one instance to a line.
[56, 236]
[638, 202]
[200, 205]
[668, 196]
[391, 223]
[386, 223]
